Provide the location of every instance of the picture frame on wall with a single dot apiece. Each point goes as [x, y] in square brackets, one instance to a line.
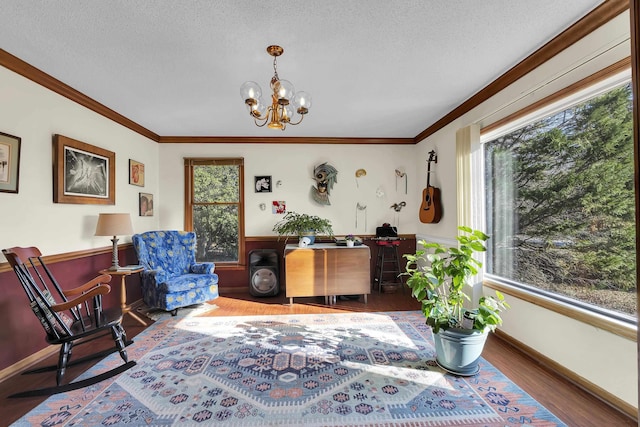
[136, 173]
[9, 162]
[83, 173]
[263, 184]
[145, 204]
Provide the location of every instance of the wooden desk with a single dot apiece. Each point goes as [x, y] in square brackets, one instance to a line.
[324, 269]
[123, 289]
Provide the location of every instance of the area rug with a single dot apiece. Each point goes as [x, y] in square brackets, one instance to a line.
[189, 311]
[347, 369]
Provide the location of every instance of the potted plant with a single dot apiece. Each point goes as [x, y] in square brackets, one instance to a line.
[300, 225]
[438, 280]
[350, 239]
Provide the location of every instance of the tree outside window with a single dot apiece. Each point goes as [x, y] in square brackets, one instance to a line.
[560, 204]
[214, 208]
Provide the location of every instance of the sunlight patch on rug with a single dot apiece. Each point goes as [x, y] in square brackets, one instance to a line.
[347, 369]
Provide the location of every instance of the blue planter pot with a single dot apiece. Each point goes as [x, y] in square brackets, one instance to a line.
[458, 350]
[311, 235]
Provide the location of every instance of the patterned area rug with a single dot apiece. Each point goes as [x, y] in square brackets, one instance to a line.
[189, 311]
[354, 369]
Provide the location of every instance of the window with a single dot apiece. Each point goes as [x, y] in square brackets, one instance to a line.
[560, 205]
[214, 208]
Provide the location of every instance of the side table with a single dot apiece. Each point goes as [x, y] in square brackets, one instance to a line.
[123, 273]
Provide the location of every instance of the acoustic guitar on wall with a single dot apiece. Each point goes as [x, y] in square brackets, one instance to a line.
[430, 208]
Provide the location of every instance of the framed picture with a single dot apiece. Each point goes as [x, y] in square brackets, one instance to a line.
[9, 163]
[263, 184]
[136, 173]
[278, 207]
[146, 204]
[83, 173]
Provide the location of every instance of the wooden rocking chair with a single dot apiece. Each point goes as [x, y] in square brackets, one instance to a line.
[74, 316]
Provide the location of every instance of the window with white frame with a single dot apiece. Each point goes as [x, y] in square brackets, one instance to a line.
[560, 203]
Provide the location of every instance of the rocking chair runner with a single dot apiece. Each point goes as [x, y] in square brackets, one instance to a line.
[77, 318]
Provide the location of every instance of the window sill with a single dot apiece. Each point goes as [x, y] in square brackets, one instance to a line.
[625, 329]
[230, 267]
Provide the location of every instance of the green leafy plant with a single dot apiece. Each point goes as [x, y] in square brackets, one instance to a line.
[438, 279]
[298, 224]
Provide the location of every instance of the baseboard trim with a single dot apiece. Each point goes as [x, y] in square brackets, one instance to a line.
[230, 290]
[27, 362]
[586, 385]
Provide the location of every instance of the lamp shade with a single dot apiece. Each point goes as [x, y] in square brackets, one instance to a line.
[114, 224]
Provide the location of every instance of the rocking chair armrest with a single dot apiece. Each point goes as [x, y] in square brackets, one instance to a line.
[102, 279]
[97, 290]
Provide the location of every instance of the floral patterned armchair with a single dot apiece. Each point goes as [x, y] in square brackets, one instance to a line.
[171, 278]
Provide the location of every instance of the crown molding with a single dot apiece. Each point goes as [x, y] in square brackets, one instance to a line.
[32, 73]
[599, 16]
[279, 140]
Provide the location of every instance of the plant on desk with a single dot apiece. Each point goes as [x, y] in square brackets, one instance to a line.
[303, 225]
[351, 239]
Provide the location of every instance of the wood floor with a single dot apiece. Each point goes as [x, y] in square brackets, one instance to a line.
[569, 403]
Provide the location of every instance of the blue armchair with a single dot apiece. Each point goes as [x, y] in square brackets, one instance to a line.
[171, 278]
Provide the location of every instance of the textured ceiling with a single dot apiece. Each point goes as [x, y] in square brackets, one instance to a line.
[374, 68]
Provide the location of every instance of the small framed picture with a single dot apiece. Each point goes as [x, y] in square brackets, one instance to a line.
[136, 173]
[9, 162]
[263, 184]
[279, 207]
[146, 204]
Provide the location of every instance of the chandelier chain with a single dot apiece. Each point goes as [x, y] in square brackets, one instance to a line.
[275, 67]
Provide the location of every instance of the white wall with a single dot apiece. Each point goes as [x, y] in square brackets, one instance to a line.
[293, 165]
[30, 218]
[605, 359]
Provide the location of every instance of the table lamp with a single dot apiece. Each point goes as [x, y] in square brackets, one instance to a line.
[114, 224]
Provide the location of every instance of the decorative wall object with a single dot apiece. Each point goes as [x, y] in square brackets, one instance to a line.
[83, 173]
[146, 204]
[398, 206]
[279, 207]
[360, 208]
[325, 176]
[400, 175]
[263, 184]
[9, 163]
[136, 173]
[360, 173]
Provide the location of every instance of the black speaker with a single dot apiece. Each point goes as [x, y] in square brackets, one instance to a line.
[264, 273]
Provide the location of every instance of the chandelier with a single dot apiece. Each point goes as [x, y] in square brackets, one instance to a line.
[285, 102]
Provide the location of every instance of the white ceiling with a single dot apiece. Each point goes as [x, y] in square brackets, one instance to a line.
[374, 68]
